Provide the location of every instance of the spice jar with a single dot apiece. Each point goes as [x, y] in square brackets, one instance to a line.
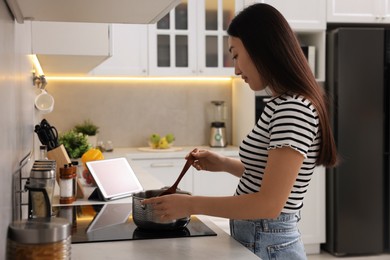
[68, 184]
[43, 239]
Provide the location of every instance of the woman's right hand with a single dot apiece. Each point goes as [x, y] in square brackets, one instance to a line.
[206, 160]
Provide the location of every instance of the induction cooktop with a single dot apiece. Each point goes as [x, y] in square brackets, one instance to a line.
[114, 222]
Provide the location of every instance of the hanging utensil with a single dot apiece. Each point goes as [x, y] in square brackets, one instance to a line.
[48, 135]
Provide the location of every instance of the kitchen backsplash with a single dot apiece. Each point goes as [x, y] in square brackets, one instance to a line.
[127, 112]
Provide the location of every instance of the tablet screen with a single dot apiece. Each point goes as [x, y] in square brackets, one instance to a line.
[114, 177]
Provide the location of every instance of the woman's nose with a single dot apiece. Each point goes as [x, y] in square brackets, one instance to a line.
[237, 70]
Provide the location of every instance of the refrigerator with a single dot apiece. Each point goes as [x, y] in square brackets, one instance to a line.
[357, 190]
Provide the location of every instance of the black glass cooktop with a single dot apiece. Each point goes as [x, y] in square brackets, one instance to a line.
[114, 222]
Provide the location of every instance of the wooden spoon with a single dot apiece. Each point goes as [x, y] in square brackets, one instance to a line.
[173, 188]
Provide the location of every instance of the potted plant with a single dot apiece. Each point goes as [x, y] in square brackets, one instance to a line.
[76, 144]
[89, 129]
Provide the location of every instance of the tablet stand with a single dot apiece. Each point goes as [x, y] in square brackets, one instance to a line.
[96, 195]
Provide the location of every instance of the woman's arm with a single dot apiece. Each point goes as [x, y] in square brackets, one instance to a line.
[280, 174]
[211, 161]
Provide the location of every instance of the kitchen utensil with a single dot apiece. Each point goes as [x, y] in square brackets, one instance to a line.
[48, 135]
[173, 188]
[40, 188]
[144, 217]
[44, 102]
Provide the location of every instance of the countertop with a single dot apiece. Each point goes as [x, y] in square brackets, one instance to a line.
[222, 246]
[174, 152]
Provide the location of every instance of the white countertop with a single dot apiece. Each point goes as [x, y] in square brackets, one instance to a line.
[177, 152]
[222, 246]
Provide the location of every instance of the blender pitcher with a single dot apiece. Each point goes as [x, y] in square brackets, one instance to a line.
[218, 131]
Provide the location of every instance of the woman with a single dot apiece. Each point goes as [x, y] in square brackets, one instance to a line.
[278, 157]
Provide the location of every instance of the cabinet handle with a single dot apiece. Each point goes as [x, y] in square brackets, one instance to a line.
[160, 165]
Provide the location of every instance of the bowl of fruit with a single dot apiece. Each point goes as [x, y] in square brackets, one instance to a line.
[157, 141]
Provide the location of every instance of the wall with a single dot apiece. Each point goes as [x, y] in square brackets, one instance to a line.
[127, 112]
[16, 110]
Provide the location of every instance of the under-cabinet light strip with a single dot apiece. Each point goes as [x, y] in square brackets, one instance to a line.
[97, 78]
[37, 65]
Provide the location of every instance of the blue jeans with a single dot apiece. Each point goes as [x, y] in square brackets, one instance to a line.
[271, 238]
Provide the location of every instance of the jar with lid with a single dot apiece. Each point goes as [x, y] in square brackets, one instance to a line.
[43, 238]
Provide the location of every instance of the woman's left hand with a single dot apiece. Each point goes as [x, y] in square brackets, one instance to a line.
[170, 207]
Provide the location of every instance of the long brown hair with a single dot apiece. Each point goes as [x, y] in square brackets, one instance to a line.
[277, 54]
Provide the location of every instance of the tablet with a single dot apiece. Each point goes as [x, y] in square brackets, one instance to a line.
[110, 215]
[114, 178]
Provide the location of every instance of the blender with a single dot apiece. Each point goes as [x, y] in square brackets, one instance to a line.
[218, 130]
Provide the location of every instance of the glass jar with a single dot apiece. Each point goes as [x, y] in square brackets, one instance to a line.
[43, 238]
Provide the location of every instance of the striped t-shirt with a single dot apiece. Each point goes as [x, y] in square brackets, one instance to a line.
[286, 121]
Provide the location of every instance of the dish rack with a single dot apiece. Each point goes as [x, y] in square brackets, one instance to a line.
[18, 189]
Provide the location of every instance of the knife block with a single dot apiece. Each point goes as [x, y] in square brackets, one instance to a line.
[61, 157]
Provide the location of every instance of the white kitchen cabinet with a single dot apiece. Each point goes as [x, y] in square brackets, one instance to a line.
[350, 11]
[166, 171]
[192, 41]
[197, 182]
[91, 11]
[312, 224]
[70, 48]
[302, 15]
[214, 183]
[129, 52]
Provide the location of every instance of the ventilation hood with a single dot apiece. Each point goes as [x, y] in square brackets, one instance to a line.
[91, 11]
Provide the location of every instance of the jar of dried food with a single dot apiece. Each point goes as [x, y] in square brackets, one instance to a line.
[42, 238]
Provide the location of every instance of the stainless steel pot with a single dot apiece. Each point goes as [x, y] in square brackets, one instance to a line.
[144, 217]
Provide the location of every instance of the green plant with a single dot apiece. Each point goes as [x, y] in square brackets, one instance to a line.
[76, 144]
[87, 128]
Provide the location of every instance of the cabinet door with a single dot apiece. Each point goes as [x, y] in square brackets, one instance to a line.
[214, 183]
[302, 14]
[172, 40]
[129, 52]
[214, 17]
[312, 224]
[70, 48]
[350, 11]
[166, 171]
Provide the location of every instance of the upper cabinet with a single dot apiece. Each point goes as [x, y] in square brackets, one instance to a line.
[308, 19]
[91, 11]
[129, 52]
[191, 40]
[70, 48]
[302, 15]
[350, 11]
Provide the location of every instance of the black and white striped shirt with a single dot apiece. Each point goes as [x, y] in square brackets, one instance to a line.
[286, 121]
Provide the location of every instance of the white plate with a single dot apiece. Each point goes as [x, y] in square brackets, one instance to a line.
[149, 149]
